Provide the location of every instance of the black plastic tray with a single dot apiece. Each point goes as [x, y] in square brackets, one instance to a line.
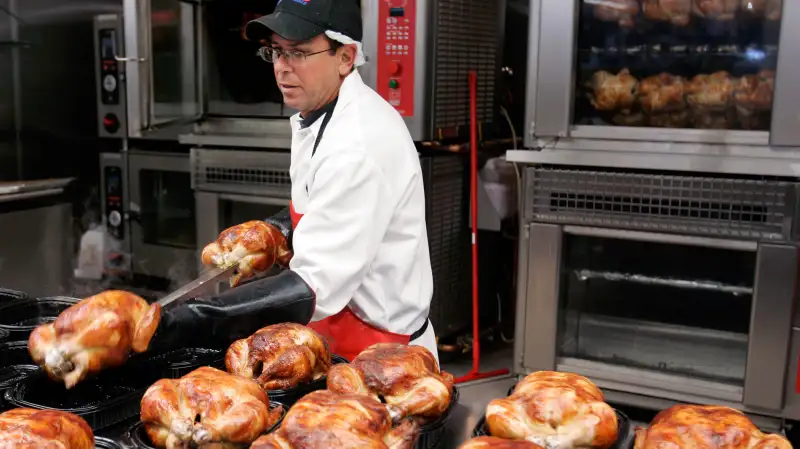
[291, 395]
[113, 395]
[137, 437]
[21, 316]
[180, 362]
[15, 365]
[625, 438]
[11, 295]
[430, 435]
[105, 443]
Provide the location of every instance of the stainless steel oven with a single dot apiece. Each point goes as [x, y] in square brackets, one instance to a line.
[189, 73]
[662, 287]
[149, 207]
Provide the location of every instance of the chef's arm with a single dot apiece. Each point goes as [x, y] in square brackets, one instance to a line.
[236, 313]
[347, 216]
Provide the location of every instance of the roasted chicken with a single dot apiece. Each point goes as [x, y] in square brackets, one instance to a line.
[554, 410]
[96, 333]
[621, 11]
[662, 93]
[766, 9]
[613, 92]
[710, 92]
[27, 428]
[498, 443]
[324, 419]
[678, 12]
[406, 378]
[708, 427]
[753, 95]
[280, 356]
[254, 246]
[206, 408]
[722, 10]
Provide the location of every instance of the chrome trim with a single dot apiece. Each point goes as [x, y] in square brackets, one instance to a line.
[655, 237]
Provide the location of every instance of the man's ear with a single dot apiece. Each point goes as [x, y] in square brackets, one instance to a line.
[348, 58]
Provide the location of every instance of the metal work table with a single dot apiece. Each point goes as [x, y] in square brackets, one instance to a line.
[474, 396]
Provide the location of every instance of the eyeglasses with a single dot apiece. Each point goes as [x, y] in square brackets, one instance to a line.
[271, 54]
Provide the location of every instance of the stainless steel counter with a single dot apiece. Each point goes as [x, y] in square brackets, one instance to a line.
[474, 396]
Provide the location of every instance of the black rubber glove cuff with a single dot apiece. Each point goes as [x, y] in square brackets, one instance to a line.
[236, 313]
[283, 221]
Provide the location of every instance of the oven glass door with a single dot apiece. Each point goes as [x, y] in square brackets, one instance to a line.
[657, 308]
[239, 83]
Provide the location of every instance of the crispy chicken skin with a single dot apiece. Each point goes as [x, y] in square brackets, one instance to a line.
[662, 93]
[554, 410]
[722, 10]
[406, 377]
[254, 246]
[498, 443]
[613, 92]
[206, 408]
[280, 356]
[324, 419]
[678, 12]
[707, 427]
[96, 333]
[710, 92]
[26, 428]
[621, 11]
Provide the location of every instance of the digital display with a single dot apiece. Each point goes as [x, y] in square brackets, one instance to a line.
[397, 12]
[108, 44]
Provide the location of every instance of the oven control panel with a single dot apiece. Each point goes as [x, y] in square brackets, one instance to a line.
[114, 211]
[397, 21]
[109, 76]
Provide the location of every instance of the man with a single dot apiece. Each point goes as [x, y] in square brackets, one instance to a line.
[356, 221]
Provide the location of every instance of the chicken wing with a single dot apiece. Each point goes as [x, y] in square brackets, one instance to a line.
[554, 410]
[613, 92]
[26, 428]
[96, 333]
[280, 356]
[206, 408]
[324, 419]
[406, 377]
[708, 427]
[254, 245]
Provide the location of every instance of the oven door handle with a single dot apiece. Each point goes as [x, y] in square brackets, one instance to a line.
[655, 237]
[267, 201]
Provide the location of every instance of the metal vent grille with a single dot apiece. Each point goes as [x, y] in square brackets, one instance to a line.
[703, 205]
[467, 38]
[241, 172]
[444, 177]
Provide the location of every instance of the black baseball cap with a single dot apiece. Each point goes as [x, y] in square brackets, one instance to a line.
[301, 20]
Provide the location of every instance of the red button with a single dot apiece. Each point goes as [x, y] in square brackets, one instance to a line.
[394, 68]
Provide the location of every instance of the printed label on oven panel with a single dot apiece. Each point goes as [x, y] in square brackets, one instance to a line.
[396, 35]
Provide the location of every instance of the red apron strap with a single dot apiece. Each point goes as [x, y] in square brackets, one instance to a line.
[348, 335]
[294, 215]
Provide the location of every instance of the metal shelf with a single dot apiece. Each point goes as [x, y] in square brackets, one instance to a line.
[585, 275]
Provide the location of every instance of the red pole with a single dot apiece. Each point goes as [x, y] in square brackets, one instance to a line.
[474, 373]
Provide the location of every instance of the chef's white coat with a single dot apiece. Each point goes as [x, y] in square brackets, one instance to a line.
[362, 241]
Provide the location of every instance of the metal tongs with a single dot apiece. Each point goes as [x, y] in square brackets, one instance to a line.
[207, 280]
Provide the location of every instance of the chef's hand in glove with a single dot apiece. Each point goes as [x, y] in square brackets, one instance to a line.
[236, 313]
[255, 246]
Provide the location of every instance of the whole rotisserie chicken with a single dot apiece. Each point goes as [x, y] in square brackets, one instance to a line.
[498, 443]
[280, 356]
[753, 96]
[254, 245]
[27, 428]
[677, 12]
[662, 93]
[710, 92]
[96, 333]
[722, 10]
[206, 408]
[621, 11]
[613, 92]
[323, 419]
[707, 427]
[406, 377]
[554, 410]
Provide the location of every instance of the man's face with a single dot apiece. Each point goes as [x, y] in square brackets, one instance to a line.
[308, 84]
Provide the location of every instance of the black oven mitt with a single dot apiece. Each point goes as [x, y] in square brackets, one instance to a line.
[237, 313]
